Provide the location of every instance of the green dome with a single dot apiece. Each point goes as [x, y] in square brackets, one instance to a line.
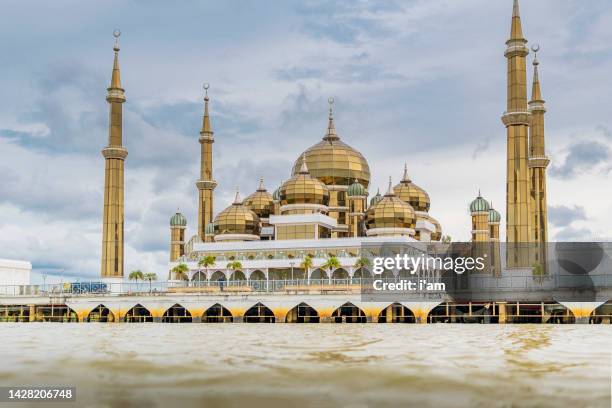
[178, 220]
[356, 190]
[494, 215]
[375, 199]
[210, 229]
[479, 204]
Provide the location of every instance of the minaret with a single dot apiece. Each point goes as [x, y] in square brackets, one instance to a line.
[178, 224]
[537, 157]
[517, 121]
[114, 155]
[206, 184]
[479, 210]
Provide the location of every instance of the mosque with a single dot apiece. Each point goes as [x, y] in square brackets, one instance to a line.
[325, 208]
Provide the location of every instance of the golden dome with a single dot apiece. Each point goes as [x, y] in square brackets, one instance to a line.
[334, 162]
[304, 189]
[390, 212]
[260, 202]
[411, 193]
[237, 219]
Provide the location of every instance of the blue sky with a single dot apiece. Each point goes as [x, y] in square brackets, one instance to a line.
[421, 82]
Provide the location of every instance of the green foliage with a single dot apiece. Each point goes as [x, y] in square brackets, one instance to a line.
[234, 265]
[206, 261]
[180, 271]
[331, 263]
[136, 275]
[362, 262]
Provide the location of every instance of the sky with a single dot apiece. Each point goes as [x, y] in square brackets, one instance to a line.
[420, 82]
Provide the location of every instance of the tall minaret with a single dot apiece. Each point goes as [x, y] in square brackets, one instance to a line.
[517, 120]
[537, 157]
[206, 184]
[114, 155]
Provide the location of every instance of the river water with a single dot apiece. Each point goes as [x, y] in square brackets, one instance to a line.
[312, 365]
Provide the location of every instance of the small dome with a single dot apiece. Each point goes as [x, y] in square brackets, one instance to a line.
[411, 193]
[178, 220]
[479, 204]
[390, 212]
[376, 198]
[494, 215]
[356, 190]
[210, 229]
[260, 202]
[236, 219]
[304, 189]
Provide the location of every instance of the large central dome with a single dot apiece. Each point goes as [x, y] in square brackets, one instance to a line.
[334, 162]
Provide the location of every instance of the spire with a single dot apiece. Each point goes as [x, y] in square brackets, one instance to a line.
[536, 93]
[261, 185]
[479, 195]
[237, 199]
[406, 178]
[116, 77]
[331, 129]
[206, 128]
[304, 168]
[516, 31]
[389, 192]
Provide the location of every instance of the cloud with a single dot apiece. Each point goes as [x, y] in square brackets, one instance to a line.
[582, 157]
[562, 215]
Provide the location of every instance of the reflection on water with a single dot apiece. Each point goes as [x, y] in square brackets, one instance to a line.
[321, 365]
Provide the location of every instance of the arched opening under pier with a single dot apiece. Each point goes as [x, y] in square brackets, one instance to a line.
[259, 313]
[101, 314]
[56, 313]
[602, 314]
[138, 314]
[396, 313]
[466, 312]
[302, 313]
[349, 313]
[217, 314]
[177, 314]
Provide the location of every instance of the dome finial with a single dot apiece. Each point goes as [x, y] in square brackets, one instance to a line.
[479, 195]
[331, 129]
[389, 189]
[237, 199]
[304, 168]
[206, 128]
[406, 178]
[116, 34]
[116, 75]
[261, 185]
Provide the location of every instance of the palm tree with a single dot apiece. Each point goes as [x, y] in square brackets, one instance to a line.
[362, 263]
[331, 264]
[234, 266]
[135, 275]
[206, 262]
[307, 264]
[150, 277]
[180, 271]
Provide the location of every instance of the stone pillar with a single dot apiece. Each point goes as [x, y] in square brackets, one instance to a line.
[32, 316]
[501, 311]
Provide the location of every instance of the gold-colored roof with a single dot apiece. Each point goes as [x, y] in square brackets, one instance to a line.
[237, 219]
[411, 193]
[304, 189]
[334, 162]
[260, 202]
[437, 234]
[390, 212]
